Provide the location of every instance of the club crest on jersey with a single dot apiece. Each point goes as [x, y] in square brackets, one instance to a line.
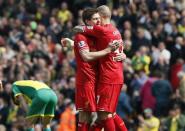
[90, 27]
[81, 44]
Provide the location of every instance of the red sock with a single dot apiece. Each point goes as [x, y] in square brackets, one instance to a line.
[82, 126]
[108, 124]
[119, 123]
[96, 127]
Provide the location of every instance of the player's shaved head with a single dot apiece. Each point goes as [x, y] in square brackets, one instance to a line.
[104, 11]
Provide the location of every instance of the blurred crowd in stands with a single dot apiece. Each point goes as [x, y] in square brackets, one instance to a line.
[154, 39]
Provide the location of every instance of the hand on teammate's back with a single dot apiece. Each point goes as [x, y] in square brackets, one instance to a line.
[67, 42]
[120, 57]
[78, 29]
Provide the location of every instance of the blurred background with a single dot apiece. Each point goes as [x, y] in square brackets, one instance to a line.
[154, 36]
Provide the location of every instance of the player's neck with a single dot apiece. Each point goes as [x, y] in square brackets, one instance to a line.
[106, 21]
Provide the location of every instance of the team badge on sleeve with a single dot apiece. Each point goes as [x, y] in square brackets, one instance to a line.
[81, 43]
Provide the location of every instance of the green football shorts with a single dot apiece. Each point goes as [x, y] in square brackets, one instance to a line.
[43, 104]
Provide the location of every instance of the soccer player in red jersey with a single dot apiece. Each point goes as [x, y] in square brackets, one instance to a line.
[110, 71]
[85, 51]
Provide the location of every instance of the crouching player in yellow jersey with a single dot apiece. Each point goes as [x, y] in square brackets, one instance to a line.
[37, 99]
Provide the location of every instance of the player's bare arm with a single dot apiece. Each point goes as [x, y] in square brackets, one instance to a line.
[89, 56]
[67, 42]
[78, 29]
[95, 30]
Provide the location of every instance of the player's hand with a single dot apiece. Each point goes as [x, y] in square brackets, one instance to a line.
[78, 29]
[67, 42]
[114, 45]
[1, 86]
[120, 57]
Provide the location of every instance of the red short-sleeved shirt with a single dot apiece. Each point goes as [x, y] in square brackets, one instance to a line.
[110, 71]
[86, 71]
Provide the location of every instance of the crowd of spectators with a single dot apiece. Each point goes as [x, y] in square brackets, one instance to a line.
[154, 39]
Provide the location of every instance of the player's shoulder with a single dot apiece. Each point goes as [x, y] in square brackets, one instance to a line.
[114, 30]
[80, 41]
[80, 37]
[112, 27]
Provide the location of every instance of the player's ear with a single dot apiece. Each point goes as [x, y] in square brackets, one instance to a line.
[86, 22]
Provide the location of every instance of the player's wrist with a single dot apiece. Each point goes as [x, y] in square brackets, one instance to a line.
[108, 50]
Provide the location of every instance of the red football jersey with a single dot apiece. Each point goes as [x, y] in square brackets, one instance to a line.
[110, 71]
[86, 71]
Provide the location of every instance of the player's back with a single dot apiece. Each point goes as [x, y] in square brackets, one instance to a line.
[109, 34]
[110, 71]
[86, 71]
[31, 83]
[28, 88]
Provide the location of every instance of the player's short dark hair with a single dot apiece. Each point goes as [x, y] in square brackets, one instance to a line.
[88, 13]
